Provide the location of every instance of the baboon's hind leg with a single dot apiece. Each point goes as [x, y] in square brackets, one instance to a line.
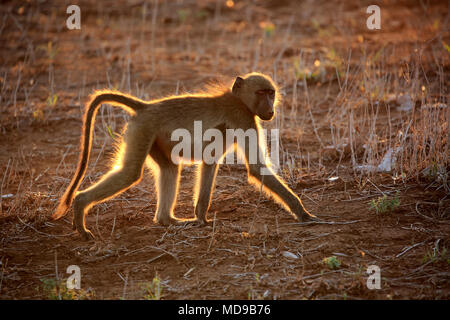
[135, 151]
[167, 186]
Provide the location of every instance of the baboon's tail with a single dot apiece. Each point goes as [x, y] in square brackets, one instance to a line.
[129, 103]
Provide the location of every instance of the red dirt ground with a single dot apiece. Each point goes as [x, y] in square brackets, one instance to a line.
[243, 255]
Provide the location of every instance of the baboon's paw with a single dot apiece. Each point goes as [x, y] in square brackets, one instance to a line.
[199, 222]
[170, 221]
[308, 217]
[87, 235]
[162, 219]
[203, 222]
[164, 223]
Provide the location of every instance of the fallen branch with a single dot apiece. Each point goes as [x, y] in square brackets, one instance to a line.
[321, 222]
[427, 217]
[409, 248]
[43, 233]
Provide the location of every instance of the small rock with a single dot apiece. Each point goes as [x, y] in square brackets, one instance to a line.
[289, 255]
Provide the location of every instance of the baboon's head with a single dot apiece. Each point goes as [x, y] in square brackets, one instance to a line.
[259, 94]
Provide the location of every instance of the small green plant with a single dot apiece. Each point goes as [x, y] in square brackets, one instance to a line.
[335, 60]
[377, 54]
[54, 290]
[446, 46]
[153, 290]
[183, 14]
[38, 114]
[435, 172]
[305, 73]
[385, 204]
[52, 99]
[332, 262]
[201, 14]
[435, 256]
[50, 49]
[268, 28]
[322, 32]
[252, 293]
[329, 69]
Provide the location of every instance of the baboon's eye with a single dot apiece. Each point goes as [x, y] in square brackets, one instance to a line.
[269, 92]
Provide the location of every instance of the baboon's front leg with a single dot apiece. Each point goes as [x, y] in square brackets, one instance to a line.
[204, 190]
[279, 189]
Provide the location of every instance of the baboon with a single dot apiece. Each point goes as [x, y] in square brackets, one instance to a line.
[250, 98]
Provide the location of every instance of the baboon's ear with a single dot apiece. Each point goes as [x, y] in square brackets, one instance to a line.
[237, 83]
